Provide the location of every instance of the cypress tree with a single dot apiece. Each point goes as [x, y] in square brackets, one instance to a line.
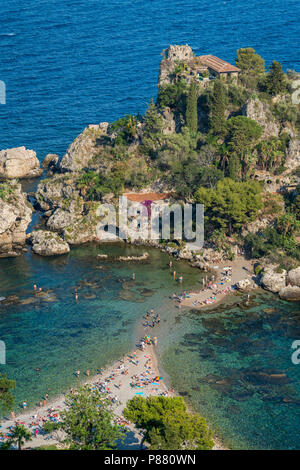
[191, 114]
[217, 107]
[275, 81]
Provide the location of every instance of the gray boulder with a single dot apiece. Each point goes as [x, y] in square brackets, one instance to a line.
[46, 243]
[15, 216]
[19, 163]
[272, 280]
[293, 154]
[50, 161]
[293, 277]
[291, 293]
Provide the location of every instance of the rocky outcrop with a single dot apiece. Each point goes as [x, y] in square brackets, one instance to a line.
[291, 293]
[58, 192]
[293, 154]
[83, 148]
[60, 219]
[84, 230]
[15, 216]
[260, 112]
[171, 57]
[50, 161]
[293, 277]
[245, 285]
[19, 163]
[45, 243]
[273, 280]
[66, 211]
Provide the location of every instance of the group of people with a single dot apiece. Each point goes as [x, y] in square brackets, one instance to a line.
[151, 319]
[36, 423]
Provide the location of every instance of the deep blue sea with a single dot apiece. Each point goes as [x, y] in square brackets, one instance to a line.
[67, 64]
[70, 63]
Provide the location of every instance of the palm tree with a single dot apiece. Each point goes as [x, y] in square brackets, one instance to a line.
[20, 434]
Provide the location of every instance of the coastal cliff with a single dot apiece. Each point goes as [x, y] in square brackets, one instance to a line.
[15, 216]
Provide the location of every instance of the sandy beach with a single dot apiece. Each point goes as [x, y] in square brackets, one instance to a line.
[116, 380]
[136, 374]
[221, 285]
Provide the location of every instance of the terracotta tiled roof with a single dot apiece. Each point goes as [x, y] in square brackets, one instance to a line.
[142, 197]
[217, 64]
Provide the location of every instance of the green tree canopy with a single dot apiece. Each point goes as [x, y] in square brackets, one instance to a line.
[168, 425]
[275, 82]
[243, 134]
[230, 204]
[153, 122]
[191, 114]
[126, 129]
[7, 399]
[217, 108]
[173, 95]
[20, 435]
[250, 62]
[88, 421]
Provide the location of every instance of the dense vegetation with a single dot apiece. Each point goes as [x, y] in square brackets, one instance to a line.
[197, 141]
[167, 425]
[6, 397]
[88, 421]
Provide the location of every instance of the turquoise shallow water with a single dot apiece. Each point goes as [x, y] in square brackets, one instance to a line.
[222, 361]
[234, 365]
[59, 336]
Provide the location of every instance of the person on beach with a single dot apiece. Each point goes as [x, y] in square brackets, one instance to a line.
[24, 405]
[180, 279]
[13, 416]
[34, 287]
[133, 276]
[78, 373]
[170, 264]
[88, 372]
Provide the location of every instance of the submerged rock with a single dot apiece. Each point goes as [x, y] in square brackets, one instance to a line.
[46, 243]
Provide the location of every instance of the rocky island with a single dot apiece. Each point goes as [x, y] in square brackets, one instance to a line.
[223, 135]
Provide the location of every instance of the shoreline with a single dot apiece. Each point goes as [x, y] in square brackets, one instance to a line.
[221, 285]
[241, 269]
[134, 363]
[123, 393]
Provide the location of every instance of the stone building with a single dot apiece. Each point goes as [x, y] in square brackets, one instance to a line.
[180, 61]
